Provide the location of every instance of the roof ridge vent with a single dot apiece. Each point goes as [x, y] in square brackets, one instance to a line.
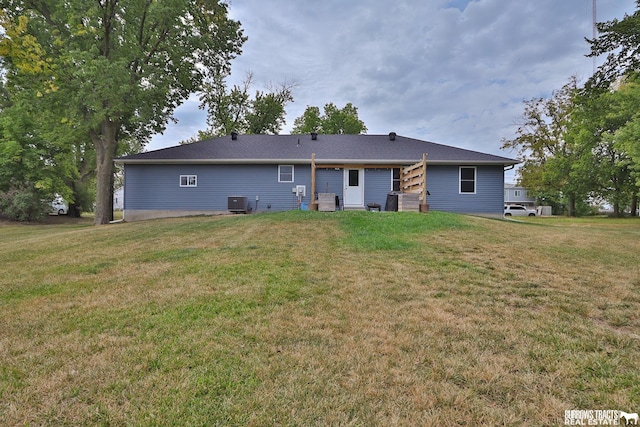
[314, 136]
[234, 136]
[392, 136]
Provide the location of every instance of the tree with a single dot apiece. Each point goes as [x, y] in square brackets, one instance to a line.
[628, 138]
[30, 168]
[40, 144]
[22, 201]
[553, 162]
[620, 39]
[333, 121]
[235, 110]
[119, 66]
[26, 168]
[310, 121]
[597, 125]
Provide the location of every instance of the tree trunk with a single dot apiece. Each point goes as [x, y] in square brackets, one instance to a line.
[111, 191]
[634, 205]
[572, 205]
[616, 209]
[74, 209]
[105, 144]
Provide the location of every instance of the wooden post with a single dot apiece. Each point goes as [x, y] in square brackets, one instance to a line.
[424, 176]
[424, 207]
[313, 178]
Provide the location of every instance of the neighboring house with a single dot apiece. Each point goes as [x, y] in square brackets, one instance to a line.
[274, 173]
[516, 195]
[118, 199]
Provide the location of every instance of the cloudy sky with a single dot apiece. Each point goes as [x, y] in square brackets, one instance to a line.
[454, 72]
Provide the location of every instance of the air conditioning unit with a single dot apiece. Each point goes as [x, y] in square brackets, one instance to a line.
[238, 204]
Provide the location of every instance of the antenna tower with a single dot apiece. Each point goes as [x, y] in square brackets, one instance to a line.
[595, 12]
[594, 29]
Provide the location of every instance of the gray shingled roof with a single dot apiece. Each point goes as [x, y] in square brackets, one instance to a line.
[328, 149]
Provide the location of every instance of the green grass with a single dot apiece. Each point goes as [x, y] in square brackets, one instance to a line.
[385, 231]
[311, 318]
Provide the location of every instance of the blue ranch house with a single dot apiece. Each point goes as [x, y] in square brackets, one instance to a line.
[283, 172]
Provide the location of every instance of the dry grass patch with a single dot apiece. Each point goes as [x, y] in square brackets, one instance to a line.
[305, 318]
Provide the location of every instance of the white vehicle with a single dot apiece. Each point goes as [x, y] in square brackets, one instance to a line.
[58, 208]
[518, 210]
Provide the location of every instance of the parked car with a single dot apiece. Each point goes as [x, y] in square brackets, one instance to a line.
[518, 210]
[58, 208]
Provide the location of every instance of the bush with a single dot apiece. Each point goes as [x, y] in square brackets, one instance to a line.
[23, 202]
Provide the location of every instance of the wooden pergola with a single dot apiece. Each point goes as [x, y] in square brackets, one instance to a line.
[413, 179]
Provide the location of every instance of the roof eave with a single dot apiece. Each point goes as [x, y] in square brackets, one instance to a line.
[473, 162]
[211, 161]
[308, 161]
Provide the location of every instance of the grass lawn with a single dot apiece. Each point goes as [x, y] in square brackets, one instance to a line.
[309, 318]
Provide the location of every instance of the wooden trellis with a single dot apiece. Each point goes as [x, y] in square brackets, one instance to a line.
[413, 179]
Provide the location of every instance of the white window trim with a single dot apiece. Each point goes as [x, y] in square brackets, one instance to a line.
[399, 180]
[195, 177]
[292, 173]
[475, 179]
[517, 193]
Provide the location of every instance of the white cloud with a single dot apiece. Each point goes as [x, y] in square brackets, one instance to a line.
[450, 71]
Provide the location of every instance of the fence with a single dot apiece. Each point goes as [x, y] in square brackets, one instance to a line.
[413, 179]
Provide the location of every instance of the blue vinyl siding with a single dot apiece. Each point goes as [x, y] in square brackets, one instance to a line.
[329, 181]
[444, 185]
[377, 184]
[157, 187]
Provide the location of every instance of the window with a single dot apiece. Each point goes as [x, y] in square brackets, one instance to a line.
[354, 177]
[517, 193]
[395, 179]
[468, 180]
[285, 173]
[188, 180]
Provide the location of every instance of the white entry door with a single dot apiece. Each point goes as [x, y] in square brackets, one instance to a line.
[353, 196]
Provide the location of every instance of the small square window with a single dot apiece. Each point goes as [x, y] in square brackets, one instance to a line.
[285, 173]
[188, 180]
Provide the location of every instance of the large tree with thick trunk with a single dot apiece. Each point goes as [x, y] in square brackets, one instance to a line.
[119, 67]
